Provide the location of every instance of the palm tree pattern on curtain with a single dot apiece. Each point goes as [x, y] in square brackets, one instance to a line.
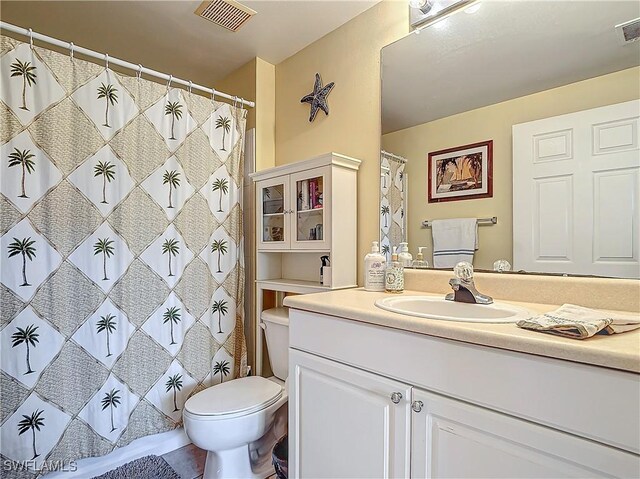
[121, 233]
[104, 247]
[171, 178]
[28, 337]
[174, 383]
[25, 248]
[171, 316]
[224, 123]
[107, 324]
[110, 95]
[220, 307]
[171, 247]
[221, 368]
[384, 210]
[105, 169]
[33, 423]
[392, 198]
[220, 247]
[174, 109]
[24, 159]
[221, 185]
[28, 74]
[111, 400]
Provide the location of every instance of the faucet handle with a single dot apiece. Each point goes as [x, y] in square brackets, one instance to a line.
[464, 271]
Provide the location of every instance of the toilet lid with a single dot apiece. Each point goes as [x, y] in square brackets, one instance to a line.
[237, 396]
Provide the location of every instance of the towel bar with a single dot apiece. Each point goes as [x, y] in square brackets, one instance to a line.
[481, 221]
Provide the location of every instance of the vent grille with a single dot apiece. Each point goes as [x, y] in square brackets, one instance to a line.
[227, 13]
[629, 31]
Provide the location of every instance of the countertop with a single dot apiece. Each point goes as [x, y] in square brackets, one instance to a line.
[618, 351]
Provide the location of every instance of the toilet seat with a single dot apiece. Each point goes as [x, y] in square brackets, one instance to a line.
[234, 398]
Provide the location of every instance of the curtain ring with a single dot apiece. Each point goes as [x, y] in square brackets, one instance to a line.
[235, 102]
[139, 73]
[169, 82]
[190, 85]
[71, 49]
[31, 38]
[213, 95]
[106, 60]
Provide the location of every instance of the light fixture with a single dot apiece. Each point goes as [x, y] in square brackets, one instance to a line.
[423, 5]
[424, 12]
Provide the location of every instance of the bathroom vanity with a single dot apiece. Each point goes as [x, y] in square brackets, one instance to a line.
[379, 394]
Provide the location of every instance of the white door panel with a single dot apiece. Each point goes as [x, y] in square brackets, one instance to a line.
[343, 423]
[452, 439]
[576, 193]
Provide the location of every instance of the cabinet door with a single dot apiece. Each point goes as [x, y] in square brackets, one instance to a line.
[311, 217]
[343, 422]
[458, 440]
[273, 213]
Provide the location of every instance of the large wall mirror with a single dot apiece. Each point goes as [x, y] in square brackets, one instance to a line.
[555, 87]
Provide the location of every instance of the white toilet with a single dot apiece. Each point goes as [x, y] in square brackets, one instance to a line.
[239, 422]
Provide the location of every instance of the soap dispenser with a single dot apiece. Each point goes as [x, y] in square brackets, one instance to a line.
[374, 269]
[394, 275]
[420, 262]
[404, 256]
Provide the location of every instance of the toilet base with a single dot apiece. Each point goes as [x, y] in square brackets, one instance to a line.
[233, 464]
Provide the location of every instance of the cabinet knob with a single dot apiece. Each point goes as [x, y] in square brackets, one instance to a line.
[417, 406]
[396, 397]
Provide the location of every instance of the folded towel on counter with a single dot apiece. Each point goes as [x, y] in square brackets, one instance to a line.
[576, 322]
[454, 240]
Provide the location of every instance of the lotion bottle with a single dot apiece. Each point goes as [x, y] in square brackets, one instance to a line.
[404, 256]
[374, 269]
[394, 275]
[419, 262]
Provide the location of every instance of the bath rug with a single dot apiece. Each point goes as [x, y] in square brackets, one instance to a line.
[148, 467]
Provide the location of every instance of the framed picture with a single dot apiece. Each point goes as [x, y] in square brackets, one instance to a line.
[461, 173]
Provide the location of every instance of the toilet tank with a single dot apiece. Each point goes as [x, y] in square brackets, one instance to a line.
[275, 323]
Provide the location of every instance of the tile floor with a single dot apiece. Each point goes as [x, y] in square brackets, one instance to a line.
[188, 461]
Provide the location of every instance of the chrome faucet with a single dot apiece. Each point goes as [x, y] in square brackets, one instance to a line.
[464, 289]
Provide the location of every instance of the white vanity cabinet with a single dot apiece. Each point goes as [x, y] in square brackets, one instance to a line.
[346, 424]
[372, 402]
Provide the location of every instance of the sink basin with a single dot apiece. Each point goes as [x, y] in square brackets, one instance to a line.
[439, 308]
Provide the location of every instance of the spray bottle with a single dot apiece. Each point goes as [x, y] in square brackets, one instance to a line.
[325, 271]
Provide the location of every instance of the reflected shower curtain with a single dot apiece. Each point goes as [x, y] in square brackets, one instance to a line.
[121, 254]
[393, 220]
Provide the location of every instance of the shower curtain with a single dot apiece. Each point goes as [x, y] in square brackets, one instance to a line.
[393, 220]
[121, 255]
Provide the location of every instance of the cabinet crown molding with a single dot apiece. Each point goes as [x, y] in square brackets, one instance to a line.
[325, 159]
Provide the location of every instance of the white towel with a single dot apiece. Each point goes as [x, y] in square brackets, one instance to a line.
[454, 240]
[573, 321]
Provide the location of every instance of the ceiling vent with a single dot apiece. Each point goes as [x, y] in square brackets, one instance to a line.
[629, 31]
[227, 13]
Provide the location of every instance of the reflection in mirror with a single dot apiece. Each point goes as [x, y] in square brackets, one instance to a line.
[393, 211]
[555, 86]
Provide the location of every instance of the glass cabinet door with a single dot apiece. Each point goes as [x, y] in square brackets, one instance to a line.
[310, 191]
[274, 214]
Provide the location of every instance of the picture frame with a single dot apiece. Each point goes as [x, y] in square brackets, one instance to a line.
[461, 173]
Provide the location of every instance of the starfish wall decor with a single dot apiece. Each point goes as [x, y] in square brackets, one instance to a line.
[318, 98]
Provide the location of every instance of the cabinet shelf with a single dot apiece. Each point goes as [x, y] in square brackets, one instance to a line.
[268, 215]
[319, 210]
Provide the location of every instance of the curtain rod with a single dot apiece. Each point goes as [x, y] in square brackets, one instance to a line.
[391, 156]
[131, 66]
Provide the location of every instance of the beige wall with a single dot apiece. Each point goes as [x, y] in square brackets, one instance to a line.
[492, 122]
[350, 57]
